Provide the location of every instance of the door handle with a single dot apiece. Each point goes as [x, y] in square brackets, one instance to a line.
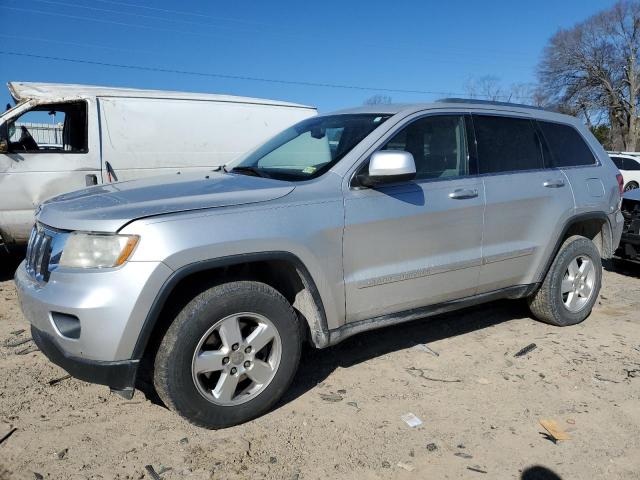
[463, 193]
[91, 180]
[554, 183]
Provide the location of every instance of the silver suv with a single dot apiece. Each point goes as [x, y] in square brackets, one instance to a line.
[345, 222]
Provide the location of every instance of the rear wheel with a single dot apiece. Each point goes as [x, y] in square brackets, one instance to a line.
[571, 286]
[229, 355]
[630, 186]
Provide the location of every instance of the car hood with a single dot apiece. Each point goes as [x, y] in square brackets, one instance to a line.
[107, 208]
[632, 194]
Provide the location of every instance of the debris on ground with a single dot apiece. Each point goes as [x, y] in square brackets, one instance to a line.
[406, 466]
[353, 404]
[17, 343]
[476, 469]
[463, 455]
[633, 373]
[58, 380]
[6, 436]
[152, 473]
[331, 397]
[17, 332]
[522, 352]
[27, 350]
[273, 460]
[423, 347]
[419, 372]
[599, 377]
[554, 430]
[62, 454]
[386, 464]
[411, 420]
[432, 447]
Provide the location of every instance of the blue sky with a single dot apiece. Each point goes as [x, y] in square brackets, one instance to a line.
[426, 46]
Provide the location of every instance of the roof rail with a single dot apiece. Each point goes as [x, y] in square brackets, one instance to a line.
[487, 102]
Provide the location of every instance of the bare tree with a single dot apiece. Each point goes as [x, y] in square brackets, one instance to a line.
[377, 100]
[592, 70]
[486, 88]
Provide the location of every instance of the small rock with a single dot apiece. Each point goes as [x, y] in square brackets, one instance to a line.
[483, 381]
[342, 391]
[184, 441]
[386, 464]
[432, 447]
[273, 460]
[37, 476]
[412, 453]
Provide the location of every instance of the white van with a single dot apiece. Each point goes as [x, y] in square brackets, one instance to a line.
[60, 138]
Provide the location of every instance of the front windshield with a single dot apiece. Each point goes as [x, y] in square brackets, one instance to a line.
[309, 148]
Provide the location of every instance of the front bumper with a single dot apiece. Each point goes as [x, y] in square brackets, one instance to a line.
[109, 305]
[117, 375]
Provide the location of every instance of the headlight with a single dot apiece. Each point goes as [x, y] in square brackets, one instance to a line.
[92, 250]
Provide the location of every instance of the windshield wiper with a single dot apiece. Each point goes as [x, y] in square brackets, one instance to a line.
[255, 171]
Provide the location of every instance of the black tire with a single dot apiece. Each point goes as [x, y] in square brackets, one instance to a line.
[547, 304]
[173, 363]
[631, 186]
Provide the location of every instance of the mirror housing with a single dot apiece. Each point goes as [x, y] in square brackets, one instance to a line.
[388, 166]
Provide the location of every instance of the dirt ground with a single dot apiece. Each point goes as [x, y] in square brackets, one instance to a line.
[479, 405]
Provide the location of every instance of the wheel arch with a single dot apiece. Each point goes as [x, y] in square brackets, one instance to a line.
[282, 270]
[593, 225]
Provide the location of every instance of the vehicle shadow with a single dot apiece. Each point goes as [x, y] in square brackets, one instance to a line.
[623, 267]
[538, 472]
[317, 365]
[9, 261]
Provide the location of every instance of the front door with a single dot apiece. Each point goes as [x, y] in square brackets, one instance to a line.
[48, 154]
[416, 243]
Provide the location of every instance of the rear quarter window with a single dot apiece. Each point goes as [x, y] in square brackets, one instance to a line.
[568, 148]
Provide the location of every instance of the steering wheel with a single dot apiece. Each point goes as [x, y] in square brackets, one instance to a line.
[26, 140]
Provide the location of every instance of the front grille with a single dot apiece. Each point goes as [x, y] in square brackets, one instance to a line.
[39, 254]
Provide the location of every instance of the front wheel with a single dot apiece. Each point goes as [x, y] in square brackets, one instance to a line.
[229, 355]
[571, 286]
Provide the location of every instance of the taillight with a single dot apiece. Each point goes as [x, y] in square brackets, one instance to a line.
[620, 183]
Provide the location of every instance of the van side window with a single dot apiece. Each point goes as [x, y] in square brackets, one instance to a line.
[507, 144]
[438, 145]
[60, 128]
[568, 148]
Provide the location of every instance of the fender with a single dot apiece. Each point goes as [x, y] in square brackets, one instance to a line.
[319, 329]
[568, 224]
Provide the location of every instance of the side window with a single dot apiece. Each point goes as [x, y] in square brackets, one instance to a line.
[58, 128]
[507, 144]
[568, 148]
[631, 164]
[618, 162]
[438, 145]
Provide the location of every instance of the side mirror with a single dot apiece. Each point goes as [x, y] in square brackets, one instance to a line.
[389, 166]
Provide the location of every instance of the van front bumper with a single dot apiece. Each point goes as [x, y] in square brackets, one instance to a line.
[107, 310]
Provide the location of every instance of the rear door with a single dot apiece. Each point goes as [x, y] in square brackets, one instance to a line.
[49, 152]
[526, 202]
[416, 243]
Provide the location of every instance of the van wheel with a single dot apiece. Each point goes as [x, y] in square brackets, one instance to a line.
[571, 286]
[229, 355]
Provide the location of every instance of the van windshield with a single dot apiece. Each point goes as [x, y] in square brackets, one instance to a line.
[309, 148]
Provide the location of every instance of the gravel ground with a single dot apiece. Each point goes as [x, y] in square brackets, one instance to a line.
[479, 405]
